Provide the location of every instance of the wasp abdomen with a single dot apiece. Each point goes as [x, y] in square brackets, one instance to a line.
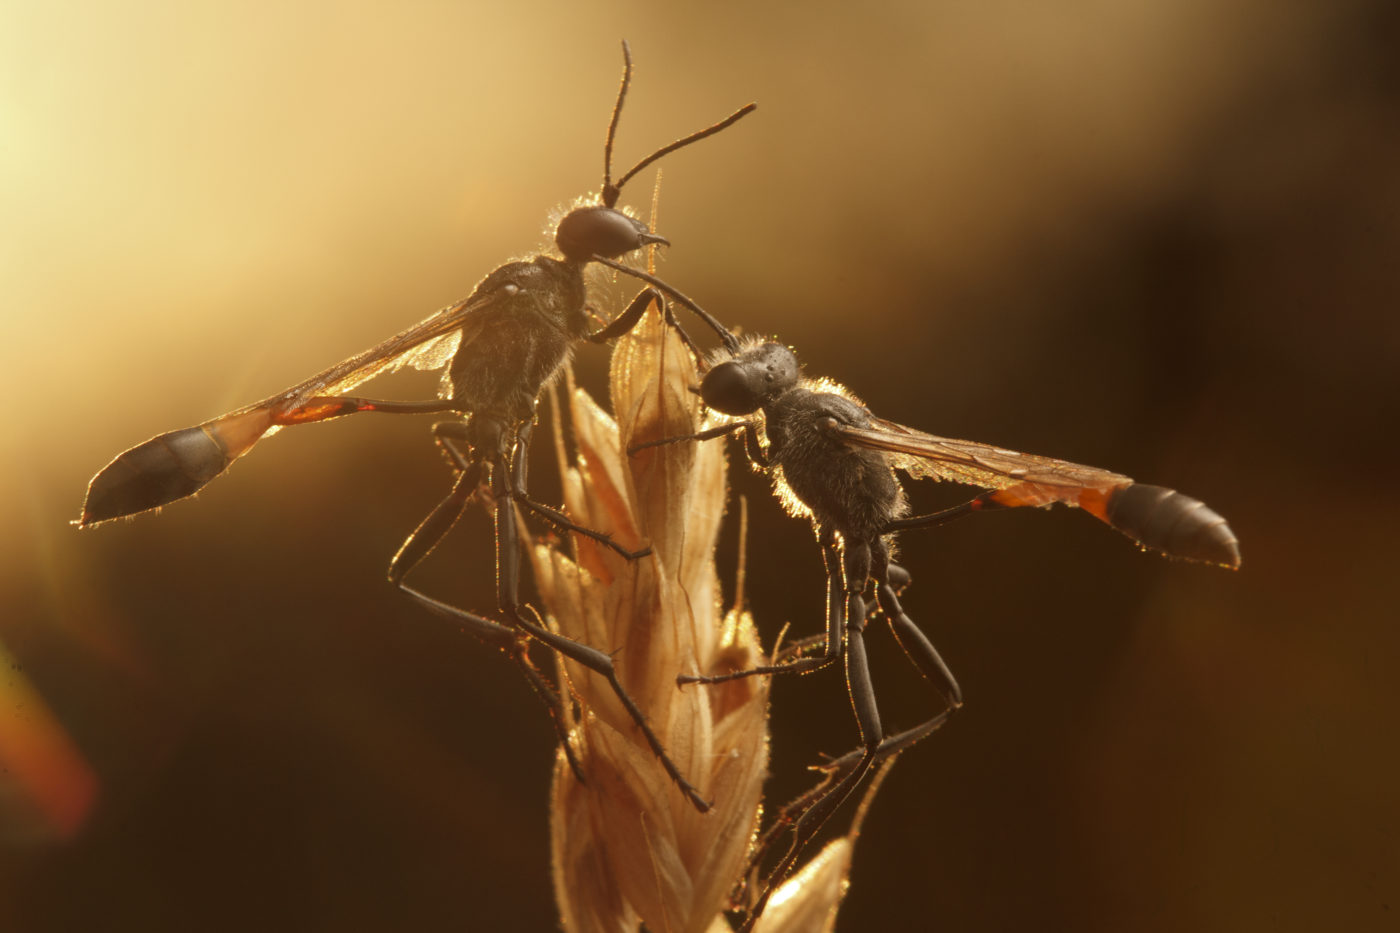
[1177, 525]
[171, 466]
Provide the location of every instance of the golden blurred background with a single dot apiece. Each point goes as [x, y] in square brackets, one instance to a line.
[1159, 237]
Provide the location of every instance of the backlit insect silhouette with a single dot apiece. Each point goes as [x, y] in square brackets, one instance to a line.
[834, 462]
[501, 345]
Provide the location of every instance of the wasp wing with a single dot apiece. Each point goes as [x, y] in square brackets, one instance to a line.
[427, 345]
[927, 456]
[177, 464]
[1154, 516]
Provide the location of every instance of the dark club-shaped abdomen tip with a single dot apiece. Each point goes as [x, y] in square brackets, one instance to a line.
[162, 470]
[1179, 526]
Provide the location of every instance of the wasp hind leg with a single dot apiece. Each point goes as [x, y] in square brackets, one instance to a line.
[507, 487]
[426, 536]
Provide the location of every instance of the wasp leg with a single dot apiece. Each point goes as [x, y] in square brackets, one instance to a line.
[798, 647]
[842, 774]
[834, 771]
[516, 645]
[831, 641]
[856, 570]
[453, 438]
[753, 447]
[324, 407]
[559, 519]
[551, 515]
[526, 618]
[730, 341]
[624, 322]
[920, 652]
[911, 638]
[628, 319]
[421, 542]
[983, 503]
[438, 523]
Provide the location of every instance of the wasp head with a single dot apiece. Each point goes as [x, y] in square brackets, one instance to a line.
[598, 230]
[755, 376]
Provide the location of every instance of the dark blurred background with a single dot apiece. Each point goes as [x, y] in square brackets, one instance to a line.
[1158, 237]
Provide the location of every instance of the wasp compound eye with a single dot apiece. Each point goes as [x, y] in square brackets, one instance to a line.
[601, 231]
[729, 388]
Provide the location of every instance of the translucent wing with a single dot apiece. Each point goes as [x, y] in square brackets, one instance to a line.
[177, 464]
[927, 456]
[427, 345]
[1154, 516]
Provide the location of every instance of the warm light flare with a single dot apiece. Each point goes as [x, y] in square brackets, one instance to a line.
[46, 786]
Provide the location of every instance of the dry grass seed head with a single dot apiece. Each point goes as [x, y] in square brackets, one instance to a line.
[628, 845]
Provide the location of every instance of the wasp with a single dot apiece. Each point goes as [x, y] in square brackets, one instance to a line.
[836, 464]
[499, 347]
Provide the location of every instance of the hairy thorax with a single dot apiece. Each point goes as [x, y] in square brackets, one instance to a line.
[523, 339]
[851, 490]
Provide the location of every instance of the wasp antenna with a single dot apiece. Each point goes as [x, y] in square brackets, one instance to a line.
[731, 342]
[693, 137]
[610, 193]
